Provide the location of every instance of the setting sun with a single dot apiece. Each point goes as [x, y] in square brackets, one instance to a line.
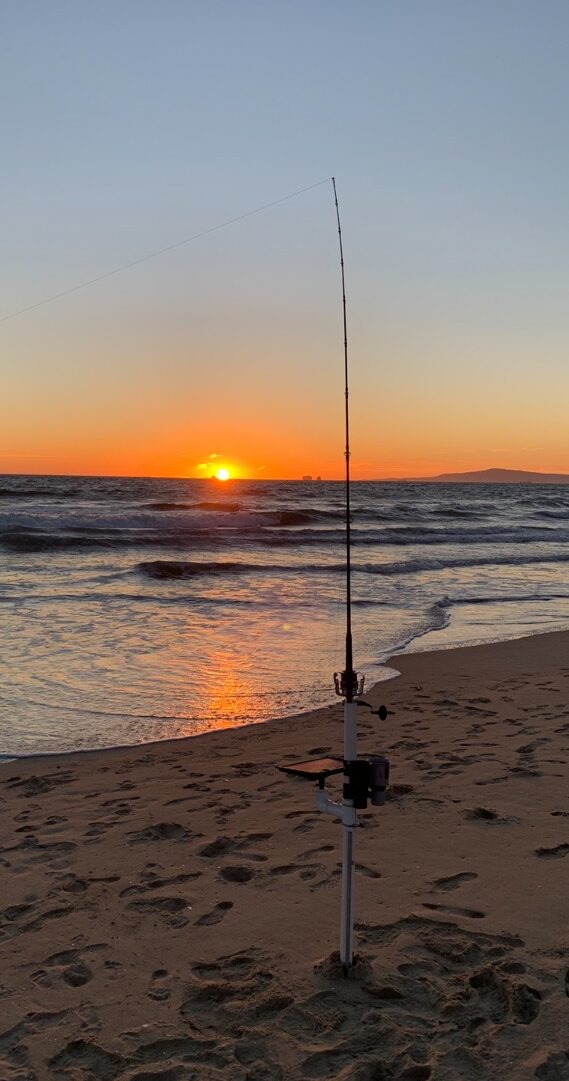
[219, 466]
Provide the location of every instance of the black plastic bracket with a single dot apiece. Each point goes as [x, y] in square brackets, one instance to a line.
[367, 779]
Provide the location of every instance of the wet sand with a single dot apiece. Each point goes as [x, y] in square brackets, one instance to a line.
[170, 912]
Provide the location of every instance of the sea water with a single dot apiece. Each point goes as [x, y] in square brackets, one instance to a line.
[134, 610]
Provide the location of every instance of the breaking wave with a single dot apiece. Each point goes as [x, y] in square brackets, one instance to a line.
[162, 568]
[170, 506]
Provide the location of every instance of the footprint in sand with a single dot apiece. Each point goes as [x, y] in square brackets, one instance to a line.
[173, 910]
[54, 820]
[331, 878]
[304, 870]
[308, 821]
[157, 989]
[452, 882]
[499, 997]
[221, 846]
[23, 816]
[84, 1058]
[152, 881]
[68, 967]
[469, 913]
[241, 977]
[98, 828]
[14, 912]
[236, 873]
[514, 968]
[484, 814]
[74, 976]
[256, 838]
[13, 920]
[556, 853]
[369, 872]
[73, 884]
[160, 831]
[396, 792]
[120, 803]
[316, 851]
[34, 852]
[247, 769]
[305, 827]
[35, 786]
[216, 915]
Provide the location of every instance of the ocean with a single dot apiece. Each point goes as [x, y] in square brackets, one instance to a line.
[135, 610]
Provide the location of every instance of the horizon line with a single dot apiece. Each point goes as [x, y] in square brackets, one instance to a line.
[295, 479]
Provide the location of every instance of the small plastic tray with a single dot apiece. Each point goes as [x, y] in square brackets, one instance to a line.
[315, 769]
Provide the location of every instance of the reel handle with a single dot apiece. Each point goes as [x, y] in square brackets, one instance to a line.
[381, 712]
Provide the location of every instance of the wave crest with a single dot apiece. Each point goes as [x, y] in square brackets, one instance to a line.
[170, 568]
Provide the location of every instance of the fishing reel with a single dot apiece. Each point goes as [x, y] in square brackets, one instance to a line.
[366, 779]
[342, 682]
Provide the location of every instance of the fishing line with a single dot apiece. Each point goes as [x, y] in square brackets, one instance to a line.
[162, 251]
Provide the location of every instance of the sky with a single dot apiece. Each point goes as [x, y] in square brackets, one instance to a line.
[127, 127]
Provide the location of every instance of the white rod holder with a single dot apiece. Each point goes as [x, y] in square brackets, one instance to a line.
[349, 824]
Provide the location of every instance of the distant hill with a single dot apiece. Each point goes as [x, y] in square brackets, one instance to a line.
[494, 476]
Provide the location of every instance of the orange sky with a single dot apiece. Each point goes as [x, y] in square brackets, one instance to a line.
[166, 421]
[262, 458]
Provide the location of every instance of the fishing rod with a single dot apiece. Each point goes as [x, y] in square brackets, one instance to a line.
[366, 777]
[346, 683]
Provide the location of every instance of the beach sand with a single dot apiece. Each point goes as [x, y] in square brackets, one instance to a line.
[170, 912]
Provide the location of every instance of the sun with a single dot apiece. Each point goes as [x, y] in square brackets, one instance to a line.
[222, 474]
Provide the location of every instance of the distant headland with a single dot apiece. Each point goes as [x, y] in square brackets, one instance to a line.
[491, 476]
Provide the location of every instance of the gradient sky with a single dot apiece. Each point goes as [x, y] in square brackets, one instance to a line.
[129, 125]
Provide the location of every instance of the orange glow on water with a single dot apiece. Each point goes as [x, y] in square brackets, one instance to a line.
[230, 685]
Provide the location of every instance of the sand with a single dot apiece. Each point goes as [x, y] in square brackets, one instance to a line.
[170, 912]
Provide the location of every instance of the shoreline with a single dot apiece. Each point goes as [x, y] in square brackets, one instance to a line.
[167, 617]
[374, 689]
[171, 910]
